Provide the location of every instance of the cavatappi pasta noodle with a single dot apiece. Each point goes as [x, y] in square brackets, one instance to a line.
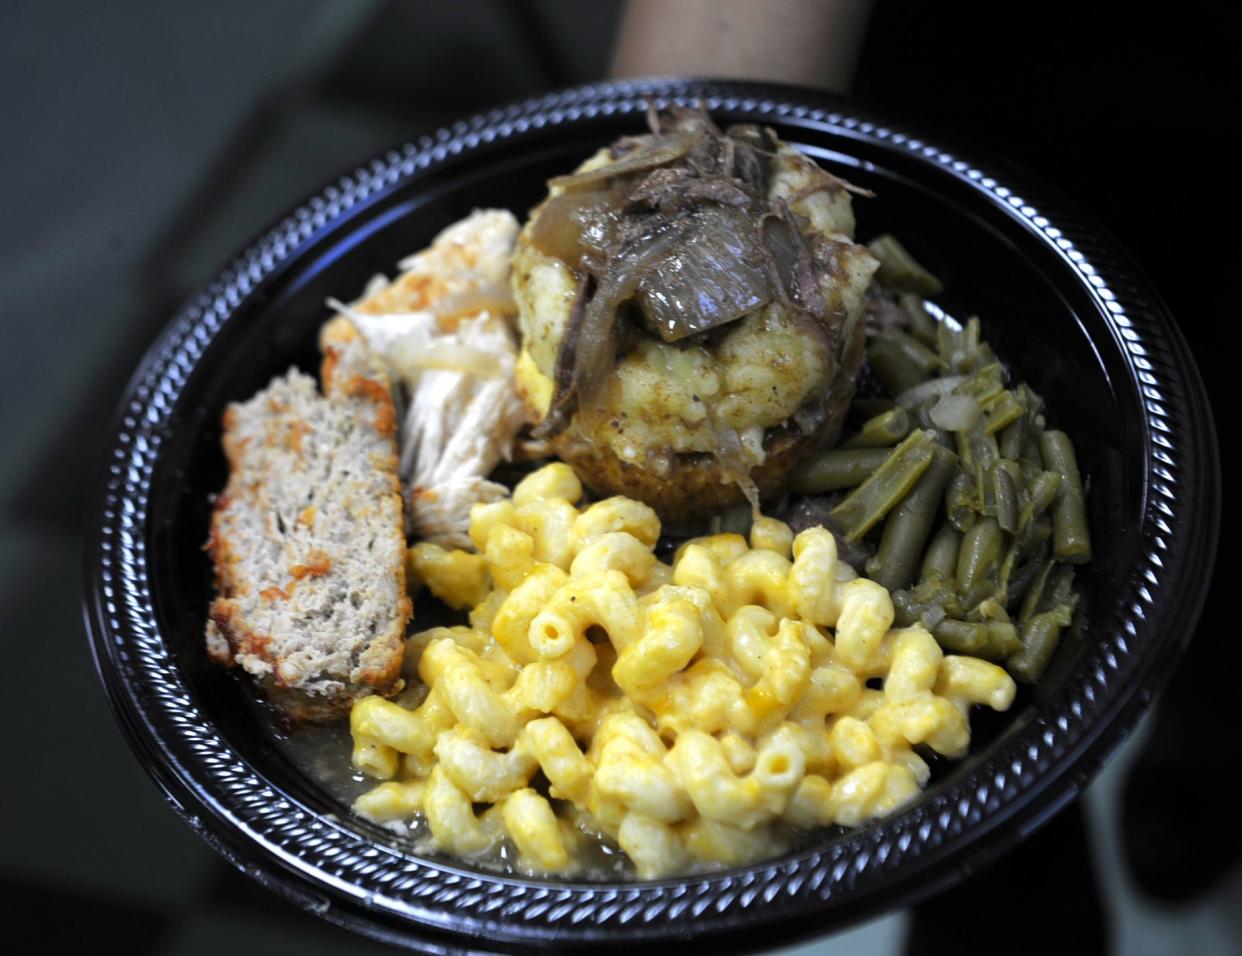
[690, 712]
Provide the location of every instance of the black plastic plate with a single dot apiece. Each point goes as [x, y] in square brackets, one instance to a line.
[1060, 303]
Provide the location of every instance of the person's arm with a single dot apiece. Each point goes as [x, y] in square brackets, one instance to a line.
[805, 42]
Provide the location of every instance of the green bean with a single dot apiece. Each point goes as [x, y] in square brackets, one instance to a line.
[1059, 589]
[1022, 563]
[923, 357]
[905, 609]
[908, 525]
[1007, 485]
[1018, 577]
[971, 595]
[985, 385]
[987, 493]
[1032, 539]
[951, 345]
[886, 486]
[1043, 491]
[941, 556]
[882, 431]
[930, 590]
[1012, 439]
[977, 450]
[961, 637]
[1033, 528]
[1029, 549]
[961, 503]
[1040, 636]
[1030, 603]
[900, 270]
[1002, 634]
[836, 469]
[894, 370]
[1031, 460]
[987, 518]
[922, 325]
[901, 361]
[1003, 640]
[1004, 574]
[1071, 541]
[960, 349]
[1034, 404]
[989, 610]
[981, 547]
[928, 603]
[1005, 409]
[1030, 475]
[1025, 427]
[1052, 587]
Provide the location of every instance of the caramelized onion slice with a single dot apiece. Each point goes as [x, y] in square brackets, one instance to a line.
[714, 276]
[658, 151]
[792, 262]
[589, 343]
[578, 223]
[734, 465]
[597, 343]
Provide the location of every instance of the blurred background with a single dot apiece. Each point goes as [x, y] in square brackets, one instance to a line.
[146, 142]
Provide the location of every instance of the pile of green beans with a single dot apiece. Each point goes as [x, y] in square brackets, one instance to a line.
[976, 508]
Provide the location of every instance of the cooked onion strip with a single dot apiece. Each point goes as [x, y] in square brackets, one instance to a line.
[656, 152]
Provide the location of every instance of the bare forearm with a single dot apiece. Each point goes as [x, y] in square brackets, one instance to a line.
[807, 42]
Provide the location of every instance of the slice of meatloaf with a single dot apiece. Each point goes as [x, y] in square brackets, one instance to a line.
[307, 536]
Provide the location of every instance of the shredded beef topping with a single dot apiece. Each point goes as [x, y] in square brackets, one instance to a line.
[678, 230]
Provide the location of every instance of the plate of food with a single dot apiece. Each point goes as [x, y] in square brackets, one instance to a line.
[659, 510]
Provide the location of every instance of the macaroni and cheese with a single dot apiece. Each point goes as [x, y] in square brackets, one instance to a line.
[689, 712]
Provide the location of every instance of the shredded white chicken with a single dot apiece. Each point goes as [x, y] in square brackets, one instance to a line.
[442, 327]
[463, 272]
